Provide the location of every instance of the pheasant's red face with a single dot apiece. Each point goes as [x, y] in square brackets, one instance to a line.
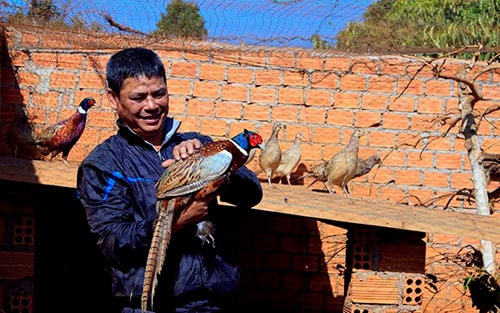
[255, 140]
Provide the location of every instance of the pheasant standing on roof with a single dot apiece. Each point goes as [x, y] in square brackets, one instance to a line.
[289, 159]
[62, 136]
[270, 156]
[342, 166]
[318, 171]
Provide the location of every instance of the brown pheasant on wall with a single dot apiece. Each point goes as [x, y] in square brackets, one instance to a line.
[21, 138]
[270, 156]
[184, 181]
[364, 166]
[290, 159]
[62, 136]
[318, 171]
[342, 166]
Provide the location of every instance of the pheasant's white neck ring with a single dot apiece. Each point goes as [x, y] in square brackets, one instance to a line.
[243, 151]
[81, 110]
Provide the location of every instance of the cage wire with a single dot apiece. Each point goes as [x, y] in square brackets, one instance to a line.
[278, 23]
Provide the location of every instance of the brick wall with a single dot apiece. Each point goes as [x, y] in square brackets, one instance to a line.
[219, 90]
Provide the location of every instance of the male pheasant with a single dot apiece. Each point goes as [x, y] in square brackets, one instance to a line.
[62, 136]
[188, 180]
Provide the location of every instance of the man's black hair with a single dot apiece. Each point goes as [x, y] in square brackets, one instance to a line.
[132, 62]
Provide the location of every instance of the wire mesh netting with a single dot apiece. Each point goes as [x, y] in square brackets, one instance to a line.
[278, 23]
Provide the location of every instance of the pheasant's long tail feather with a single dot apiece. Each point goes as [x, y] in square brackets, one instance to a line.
[154, 252]
[166, 234]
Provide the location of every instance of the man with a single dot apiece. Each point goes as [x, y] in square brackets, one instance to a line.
[116, 186]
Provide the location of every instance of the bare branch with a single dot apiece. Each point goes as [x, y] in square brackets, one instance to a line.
[113, 23]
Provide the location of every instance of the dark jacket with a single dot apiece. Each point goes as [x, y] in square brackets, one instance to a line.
[116, 186]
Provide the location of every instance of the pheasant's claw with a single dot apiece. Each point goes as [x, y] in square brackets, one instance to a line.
[206, 231]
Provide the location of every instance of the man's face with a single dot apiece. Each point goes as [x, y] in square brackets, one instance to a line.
[142, 105]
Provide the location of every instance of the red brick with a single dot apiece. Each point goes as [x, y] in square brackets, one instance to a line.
[346, 100]
[239, 75]
[365, 65]
[339, 117]
[263, 94]
[63, 80]
[325, 80]
[212, 72]
[353, 83]
[281, 59]
[92, 80]
[290, 95]
[436, 179]
[381, 84]
[402, 104]
[27, 78]
[422, 159]
[395, 121]
[295, 79]
[44, 59]
[228, 110]
[206, 90]
[374, 102]
[382, 139]
[313, 115]
[179, 86]
[267, 77]
[184, 69]
[337, 64]
[285, 113]
[319, 97]
[407, 87]
[69, 61]
[408, 177]
[449, 161]
[234, 93]
[256, 112]
[213, 127]
[438, 87]
[197, 107]
[430, 105]
[366, 119]
[308, 62]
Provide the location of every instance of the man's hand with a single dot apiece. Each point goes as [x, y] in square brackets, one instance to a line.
[183, 150]
[197, 211]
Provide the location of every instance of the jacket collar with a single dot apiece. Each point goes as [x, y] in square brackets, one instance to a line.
[170, 128]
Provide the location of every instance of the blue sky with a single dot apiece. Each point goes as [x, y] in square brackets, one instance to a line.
[261, 22]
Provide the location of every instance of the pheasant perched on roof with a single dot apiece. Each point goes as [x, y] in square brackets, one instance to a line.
[270, 156]
[364, 166]
[318, 171]
[62, 136]
[342, 166]
[188, 180]
[21, 138]
[289, 159]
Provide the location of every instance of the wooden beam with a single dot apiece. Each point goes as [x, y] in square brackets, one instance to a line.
[54, 173]
[298, 200]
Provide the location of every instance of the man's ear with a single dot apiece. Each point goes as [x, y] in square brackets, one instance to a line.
[112, 99]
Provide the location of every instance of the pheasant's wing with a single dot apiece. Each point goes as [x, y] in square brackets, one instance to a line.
[48, 133]
[192, 174]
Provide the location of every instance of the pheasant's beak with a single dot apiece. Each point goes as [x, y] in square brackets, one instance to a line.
[261, 146]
